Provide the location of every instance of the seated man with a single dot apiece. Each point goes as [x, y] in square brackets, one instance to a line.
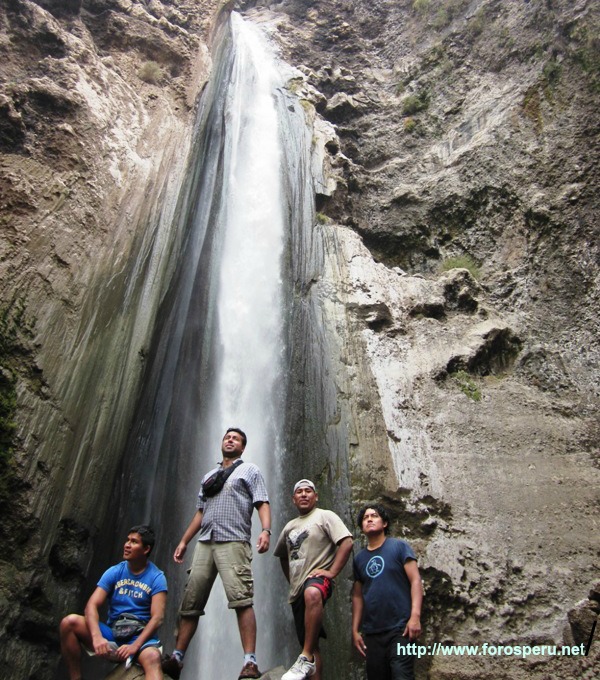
[137, 593]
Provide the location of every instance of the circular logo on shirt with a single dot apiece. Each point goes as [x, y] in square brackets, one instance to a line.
[375, 566]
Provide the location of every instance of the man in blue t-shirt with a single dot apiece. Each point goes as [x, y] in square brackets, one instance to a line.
[386, 599]
[136, 591]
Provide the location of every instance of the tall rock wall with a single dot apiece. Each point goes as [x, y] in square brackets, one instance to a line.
[96, 122]
[462, 259]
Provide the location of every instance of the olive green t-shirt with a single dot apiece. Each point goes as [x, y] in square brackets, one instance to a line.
[310, 542]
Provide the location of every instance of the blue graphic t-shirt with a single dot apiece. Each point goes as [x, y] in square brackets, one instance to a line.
[385, 585]
[131, 593]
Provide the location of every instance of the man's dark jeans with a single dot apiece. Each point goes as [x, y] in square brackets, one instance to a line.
[383, 660]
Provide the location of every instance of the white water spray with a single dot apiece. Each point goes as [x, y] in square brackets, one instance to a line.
[249, 301]
[248, 337]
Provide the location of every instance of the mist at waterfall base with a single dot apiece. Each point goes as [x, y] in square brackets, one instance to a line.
[218, 357]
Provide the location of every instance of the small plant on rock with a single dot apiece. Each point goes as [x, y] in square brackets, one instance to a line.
[462, 262]
[551, 71]
[421, 6]
[415, 103]
[442, 18]
[151, 72]
[410, 125]
[467, 385]
[532, 108]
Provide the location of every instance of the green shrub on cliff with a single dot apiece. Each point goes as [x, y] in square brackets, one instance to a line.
[8, 406]
[551, 72]
[151, 72]
[421, 6]
[467, 385]
[415, 103]
[587, 50]
[440, 13]
[462, 262]
[8, 400]
[410, 125]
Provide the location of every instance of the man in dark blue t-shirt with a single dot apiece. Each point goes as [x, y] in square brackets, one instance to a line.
[386, 599]
[136, 591]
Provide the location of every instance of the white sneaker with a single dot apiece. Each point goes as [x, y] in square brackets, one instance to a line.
[303, 668]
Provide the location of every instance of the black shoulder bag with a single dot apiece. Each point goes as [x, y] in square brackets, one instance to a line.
[213, 485]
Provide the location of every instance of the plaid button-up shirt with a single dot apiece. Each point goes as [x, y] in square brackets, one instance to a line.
[228, 515]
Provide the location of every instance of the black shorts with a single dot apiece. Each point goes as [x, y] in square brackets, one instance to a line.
[325, 585]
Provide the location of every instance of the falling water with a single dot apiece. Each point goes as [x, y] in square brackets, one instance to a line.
[218, 358]
[249, 381]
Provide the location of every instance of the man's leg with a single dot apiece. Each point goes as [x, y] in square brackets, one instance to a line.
[247, 625]
[313, 621]
[378, 665]
[318, 664]
[308, 619]
[149, 660]
[197, 589]
[402, 666]
[200, 581]
[185, 632]
[73, 631]
[233, 560]
[308, 664]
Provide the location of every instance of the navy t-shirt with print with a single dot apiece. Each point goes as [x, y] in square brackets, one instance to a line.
[385, 585]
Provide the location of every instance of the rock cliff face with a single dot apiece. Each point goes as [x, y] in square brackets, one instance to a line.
[463, 253]
[460, 290]
[96, 111]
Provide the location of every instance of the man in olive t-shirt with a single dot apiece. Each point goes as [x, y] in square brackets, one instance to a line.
[313, 549]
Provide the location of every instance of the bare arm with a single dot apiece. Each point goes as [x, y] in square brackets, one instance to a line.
[157, 614]
[357, 612]
[190, 532]
[264, 539]
[92, 618]
[344, 548]
[413, 627]
[285, 567]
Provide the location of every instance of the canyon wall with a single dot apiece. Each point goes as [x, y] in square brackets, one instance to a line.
[97, 111]
[462, 283]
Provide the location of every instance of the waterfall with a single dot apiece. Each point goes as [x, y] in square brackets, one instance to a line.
[219, 356]
[249, 377]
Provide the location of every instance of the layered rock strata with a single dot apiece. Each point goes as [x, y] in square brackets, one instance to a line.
[96, 117]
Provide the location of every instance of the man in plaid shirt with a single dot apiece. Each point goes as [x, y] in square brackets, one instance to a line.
[228, 495]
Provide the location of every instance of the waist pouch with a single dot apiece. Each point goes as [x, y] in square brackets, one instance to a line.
[126, 626]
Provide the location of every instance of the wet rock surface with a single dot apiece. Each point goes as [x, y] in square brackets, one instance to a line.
[86, 119]
[462, 252]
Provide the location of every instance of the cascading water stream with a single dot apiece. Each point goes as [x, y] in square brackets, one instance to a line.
[219, 357]
[249, 381]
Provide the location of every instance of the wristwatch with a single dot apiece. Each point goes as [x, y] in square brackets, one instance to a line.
[268, 531]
